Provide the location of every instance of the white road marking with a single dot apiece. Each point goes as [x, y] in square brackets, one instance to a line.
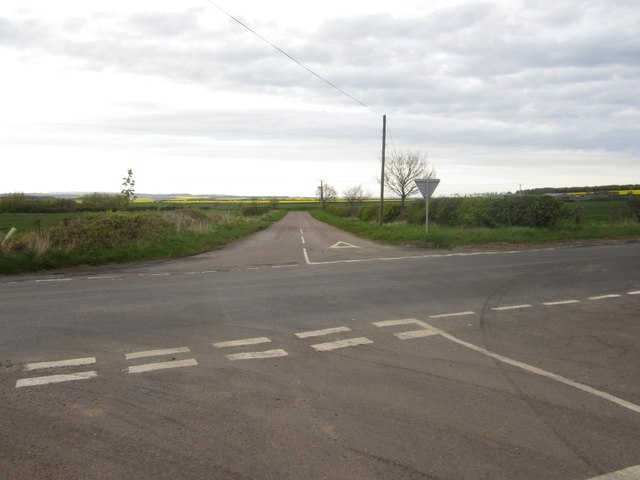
[343, 245]
[301, 232]
[240, 343]
[73, 362]
[392, 323]
[539, 371]
[306, 256]
[302, 238]
[149, 367]
[156, 353]
[459, 314]
[425, 332]
[257, 355]
[603, 297]
[637, 292]
[54, 280]
[105, 277]
[512, 307]
[319, 333]
[70, 377]
[631, 473]
[561, 302]
[350, 342]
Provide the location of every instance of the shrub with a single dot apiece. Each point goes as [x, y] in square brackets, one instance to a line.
[96, 231]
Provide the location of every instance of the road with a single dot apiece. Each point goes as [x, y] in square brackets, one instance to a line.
[303, 352]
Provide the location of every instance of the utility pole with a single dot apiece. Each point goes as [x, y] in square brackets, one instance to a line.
[384, 142]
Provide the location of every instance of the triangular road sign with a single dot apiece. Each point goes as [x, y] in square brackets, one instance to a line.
[343, 245]
[427, 186]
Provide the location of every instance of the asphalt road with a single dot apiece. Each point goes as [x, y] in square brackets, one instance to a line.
[303, 352]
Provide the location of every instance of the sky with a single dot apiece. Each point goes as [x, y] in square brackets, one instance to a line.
[498, 94]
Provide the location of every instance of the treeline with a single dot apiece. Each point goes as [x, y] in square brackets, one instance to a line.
[513, 211]
[95, 202]
[600, 189]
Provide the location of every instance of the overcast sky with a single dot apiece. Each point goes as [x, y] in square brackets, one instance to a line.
[497, 93]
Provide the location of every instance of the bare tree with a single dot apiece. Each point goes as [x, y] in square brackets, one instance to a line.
[402, 169]
[325, 193]
[354, 196]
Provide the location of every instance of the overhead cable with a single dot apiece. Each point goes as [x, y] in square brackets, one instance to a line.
[293, 59]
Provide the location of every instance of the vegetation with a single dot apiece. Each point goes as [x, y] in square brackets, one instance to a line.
[111, 237]
[401, 171]
[481, 221]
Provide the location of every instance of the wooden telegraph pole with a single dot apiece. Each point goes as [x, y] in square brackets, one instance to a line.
[384, 141]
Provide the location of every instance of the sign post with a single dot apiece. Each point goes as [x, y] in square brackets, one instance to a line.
[427, 186]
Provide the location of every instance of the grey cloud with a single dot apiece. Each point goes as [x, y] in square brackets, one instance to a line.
[550, 75]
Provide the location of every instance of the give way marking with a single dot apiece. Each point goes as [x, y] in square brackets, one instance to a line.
[429, 330]
[343, 245]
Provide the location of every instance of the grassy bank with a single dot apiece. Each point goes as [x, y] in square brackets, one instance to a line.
[97, 239]
[448, 237]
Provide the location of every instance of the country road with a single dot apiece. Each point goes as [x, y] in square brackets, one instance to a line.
[303, 352]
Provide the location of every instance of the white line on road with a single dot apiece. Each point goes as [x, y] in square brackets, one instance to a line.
[637, 292]
[425, 332]
[257, 355]
[306, 256]
[105, 277]
[156, 353]
[301, 232]
[539, 371]
[240, 343]
[149, 367]
[459, 314]
[54, 280]
[631, 473]
[393, 323]
[73, 362]
[603, 297]
[350, 342]
[319, 333]
[70, 377]
[512, 307]
[560, 302]
[302, 238]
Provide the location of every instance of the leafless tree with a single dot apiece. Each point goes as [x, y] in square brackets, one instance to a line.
[354, 196]
[402, 169]
[325, 193]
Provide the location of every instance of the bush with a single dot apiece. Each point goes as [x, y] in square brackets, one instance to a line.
[339, 211]
[515, 211]
[96, 231]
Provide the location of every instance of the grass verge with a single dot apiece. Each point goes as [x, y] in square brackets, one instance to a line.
[449, 237]
[26, 255]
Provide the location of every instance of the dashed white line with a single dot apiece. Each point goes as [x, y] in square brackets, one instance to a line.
[319, 333]
[637, 292]
[458, 314]
[511, 307]
[425, 332]
[46, 280]
[257, 355]
[149, 367]
[604, 297]
[302, 238]
[156, 353]
[306, 256]
[73, 362]
[240, 343]
[561, 302]
[631, 473]
[393, 323]
[69, 377]
[350, 342]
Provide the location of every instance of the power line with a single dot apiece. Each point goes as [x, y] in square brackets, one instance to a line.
[293, 59]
